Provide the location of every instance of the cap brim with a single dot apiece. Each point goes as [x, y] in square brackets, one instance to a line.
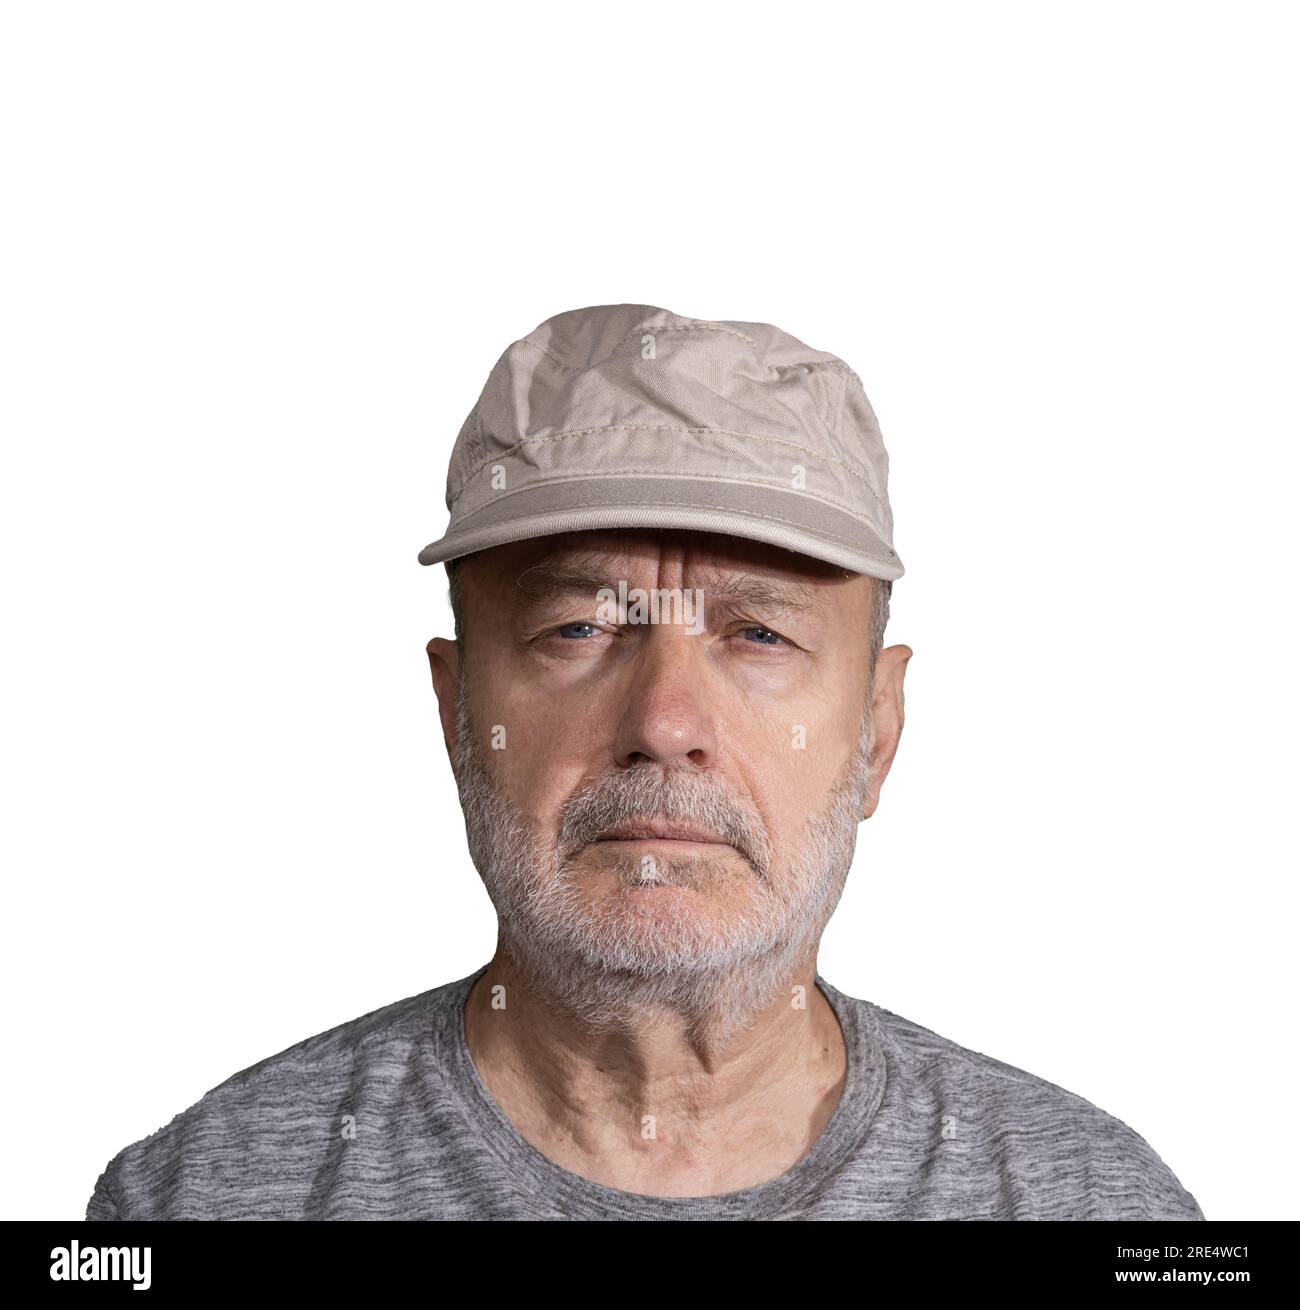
[786, 518]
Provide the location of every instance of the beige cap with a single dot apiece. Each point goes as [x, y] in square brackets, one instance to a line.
[621, 416]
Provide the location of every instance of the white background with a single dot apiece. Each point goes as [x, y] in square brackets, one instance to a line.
[257, 262]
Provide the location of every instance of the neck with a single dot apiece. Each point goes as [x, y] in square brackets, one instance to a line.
[667, 1092]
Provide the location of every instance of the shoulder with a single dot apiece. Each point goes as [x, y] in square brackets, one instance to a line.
[1048, 1152]
[264, 1130]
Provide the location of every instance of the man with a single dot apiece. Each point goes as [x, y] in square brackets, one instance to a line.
[668, 708]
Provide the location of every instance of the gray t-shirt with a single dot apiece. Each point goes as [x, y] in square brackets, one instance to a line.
[385, 1117]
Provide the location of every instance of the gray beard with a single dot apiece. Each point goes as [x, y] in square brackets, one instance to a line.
[611, 968]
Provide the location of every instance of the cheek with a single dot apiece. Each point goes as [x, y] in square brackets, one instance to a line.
[792, 761]
[541, 747]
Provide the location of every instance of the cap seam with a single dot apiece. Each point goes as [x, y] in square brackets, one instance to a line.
[554, 358]
[465, 525]
[836, 417]
[527, 442]
[681, 326]
[569, 480]
[684, 325]
[848, 369]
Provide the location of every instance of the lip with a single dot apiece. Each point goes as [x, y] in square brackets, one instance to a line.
[653, 831]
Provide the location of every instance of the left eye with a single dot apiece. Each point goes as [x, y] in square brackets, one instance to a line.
[568, 629]
[766, 638]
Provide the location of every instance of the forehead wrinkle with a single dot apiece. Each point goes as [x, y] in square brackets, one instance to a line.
[549, 580]
[577, 570]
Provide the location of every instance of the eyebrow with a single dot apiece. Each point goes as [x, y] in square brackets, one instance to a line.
[548, 581]
[744, 590]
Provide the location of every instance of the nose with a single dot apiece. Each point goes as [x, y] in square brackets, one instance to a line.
[669, 711]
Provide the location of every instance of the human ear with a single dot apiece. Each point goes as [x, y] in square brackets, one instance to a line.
[444, 664]
[886, 718]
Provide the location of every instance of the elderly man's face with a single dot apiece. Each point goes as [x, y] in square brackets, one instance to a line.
[668, 794]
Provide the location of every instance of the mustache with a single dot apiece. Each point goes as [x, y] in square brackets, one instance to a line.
[644, 793]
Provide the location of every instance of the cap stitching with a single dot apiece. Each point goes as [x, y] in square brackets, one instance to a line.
[464, 523]
[659, 473]
[644, 427]
[836, 416]
[837, 537]
[844, 368]
[528, 341]
[685, 325]
[680, 326]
